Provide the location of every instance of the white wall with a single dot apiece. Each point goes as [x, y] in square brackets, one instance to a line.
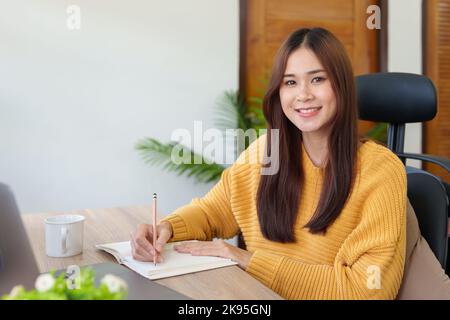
[73, 103]
[405, 55]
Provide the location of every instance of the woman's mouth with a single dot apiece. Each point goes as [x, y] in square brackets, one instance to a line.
[308, 112]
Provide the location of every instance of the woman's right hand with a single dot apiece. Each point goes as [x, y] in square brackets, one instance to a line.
[141, 241]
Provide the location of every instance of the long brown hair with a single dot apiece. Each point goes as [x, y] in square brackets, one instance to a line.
[278, 194]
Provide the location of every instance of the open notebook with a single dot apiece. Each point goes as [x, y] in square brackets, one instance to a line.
[174, 263]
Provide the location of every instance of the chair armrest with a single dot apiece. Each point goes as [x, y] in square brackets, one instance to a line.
[440, 161]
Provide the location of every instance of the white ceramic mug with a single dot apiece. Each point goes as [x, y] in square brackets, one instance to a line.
[64, 235]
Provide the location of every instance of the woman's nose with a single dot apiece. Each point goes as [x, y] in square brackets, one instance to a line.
[303, 93]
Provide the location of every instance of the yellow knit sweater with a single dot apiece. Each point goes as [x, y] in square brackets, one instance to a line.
[366, 240]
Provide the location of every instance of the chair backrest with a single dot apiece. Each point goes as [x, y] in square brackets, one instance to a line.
[429, 199]
[397, 99]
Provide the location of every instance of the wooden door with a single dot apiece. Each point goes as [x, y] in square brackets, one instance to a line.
[436, 53]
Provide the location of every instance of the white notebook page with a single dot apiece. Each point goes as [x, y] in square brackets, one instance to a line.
[174, 263]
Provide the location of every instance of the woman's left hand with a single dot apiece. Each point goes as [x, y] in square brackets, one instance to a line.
[218, 248]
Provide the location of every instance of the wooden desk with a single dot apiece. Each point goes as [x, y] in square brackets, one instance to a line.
[112, 225]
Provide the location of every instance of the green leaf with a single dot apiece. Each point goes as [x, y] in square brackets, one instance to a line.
[378, 132]
[157, 153]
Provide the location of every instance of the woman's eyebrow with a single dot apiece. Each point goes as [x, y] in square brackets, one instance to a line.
[308, 72]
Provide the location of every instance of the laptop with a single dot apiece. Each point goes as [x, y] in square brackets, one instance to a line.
[18, 265]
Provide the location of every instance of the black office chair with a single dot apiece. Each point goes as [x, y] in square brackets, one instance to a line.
[397, 99]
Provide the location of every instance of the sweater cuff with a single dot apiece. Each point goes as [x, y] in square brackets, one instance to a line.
[179, 228]
[263, 266]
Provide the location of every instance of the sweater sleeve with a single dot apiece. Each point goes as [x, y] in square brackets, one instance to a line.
[370, 262]
[207, 217]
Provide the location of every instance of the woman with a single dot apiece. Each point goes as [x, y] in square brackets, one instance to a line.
[331, 222]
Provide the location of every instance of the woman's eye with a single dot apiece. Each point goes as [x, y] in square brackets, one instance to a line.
[317, 79]
[290, 83]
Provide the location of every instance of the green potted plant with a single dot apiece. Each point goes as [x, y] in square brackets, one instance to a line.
[50, 286]
[231, 112]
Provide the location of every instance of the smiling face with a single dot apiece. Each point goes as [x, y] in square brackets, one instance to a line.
[306, 94]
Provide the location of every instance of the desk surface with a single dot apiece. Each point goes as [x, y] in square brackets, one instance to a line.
[115, 224]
